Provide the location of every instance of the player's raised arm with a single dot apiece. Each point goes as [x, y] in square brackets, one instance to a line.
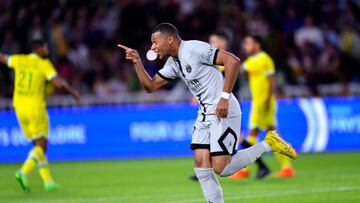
[150, 84]
[231, 64]
[59, 83]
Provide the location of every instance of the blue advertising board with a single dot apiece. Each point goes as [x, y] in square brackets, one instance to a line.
[164, 130]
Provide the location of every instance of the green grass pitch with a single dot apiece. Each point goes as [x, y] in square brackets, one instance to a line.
[325, 177]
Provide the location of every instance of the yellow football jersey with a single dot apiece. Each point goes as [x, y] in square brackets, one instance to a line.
[31, 74]
[259, 67]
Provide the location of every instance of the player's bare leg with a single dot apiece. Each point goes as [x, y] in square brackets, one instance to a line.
[207, 178]
[41, 142]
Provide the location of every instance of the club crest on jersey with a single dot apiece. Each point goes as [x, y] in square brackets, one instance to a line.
[188, 69]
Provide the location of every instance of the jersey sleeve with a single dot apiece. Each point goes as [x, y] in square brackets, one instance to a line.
[246, 65]
[13, 60]
[49, 70]
[168, 72]
[205, 53]
[270, 67]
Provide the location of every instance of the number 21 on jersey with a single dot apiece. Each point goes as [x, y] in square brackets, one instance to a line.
[25, 79]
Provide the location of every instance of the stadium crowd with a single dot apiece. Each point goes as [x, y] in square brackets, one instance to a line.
[312, 42]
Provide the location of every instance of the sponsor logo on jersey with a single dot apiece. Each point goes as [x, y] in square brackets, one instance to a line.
[188, 69]
[194, 85]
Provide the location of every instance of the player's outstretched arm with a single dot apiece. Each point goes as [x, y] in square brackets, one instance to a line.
[149, 84]
[59, 83]
[231, 64]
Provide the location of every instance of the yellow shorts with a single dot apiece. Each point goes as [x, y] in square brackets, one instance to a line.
[33, 120]
[262, 119]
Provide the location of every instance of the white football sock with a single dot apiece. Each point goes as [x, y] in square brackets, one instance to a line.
[245, 157]
[210, 185]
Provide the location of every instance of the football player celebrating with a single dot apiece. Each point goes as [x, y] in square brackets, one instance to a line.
[217, 127]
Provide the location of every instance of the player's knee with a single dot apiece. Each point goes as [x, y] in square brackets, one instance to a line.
[43, 147]
[202, 163]
[41, 142]
[218, 169]
[219, 163]
[202, 158]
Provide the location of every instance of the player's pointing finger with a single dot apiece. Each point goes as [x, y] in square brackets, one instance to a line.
[123, 47]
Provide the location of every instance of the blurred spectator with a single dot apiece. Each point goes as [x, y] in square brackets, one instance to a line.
[291, 22]
[57, 38]
[330, 35]
[257, 25]
[295, 69]
[79, 56]
[313, 42]
[309, 34]
[102, 86]
[350, 41]
[308, 56]
[9, 45]
[328, 64]
[36, 29]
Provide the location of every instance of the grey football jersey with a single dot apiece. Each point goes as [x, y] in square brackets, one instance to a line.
[195, 66]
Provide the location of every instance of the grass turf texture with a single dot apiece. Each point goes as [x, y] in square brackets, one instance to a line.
[326, 177]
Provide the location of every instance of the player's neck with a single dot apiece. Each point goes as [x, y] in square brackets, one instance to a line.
[256, 52]
[175, 49]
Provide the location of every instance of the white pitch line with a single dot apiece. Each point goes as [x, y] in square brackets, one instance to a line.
[274, 194]
[87, 199]
[150, 198]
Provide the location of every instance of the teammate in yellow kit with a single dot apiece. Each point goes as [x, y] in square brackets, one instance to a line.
[32, 72]
[261, 71]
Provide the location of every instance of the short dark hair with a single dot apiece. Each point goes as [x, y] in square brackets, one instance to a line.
[36, 43]
[167, 28]
[257, 39]
[223, 35]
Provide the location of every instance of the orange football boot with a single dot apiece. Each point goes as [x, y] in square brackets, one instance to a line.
[286, 172]
[242, 174]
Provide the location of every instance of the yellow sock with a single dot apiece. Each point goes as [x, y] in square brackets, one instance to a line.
[45, 174]
[252, 139]
[283, 160]
[42, 164]
[28, 166]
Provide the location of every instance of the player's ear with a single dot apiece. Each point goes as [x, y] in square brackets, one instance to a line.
[170, 39]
